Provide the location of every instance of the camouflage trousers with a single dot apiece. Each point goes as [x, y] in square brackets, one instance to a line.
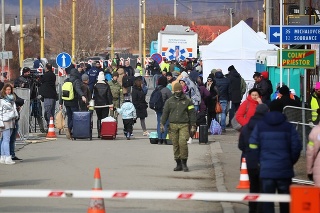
[179, 135]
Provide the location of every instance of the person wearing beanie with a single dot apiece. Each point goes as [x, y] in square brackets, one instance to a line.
[252, 157]
[165, 94]
[237, 90]
[84, 106]
[286, 98]
[73, 105]
[274, 132]
[170, 79]
[117, 97]
[129, 116]
[103, 100]
[180, 112]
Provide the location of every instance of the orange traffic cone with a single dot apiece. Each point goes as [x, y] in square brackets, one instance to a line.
[196, 135]
[244, 177]
[97, 204]
[51, 135]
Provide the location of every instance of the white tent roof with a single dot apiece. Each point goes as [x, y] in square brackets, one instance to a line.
[239, 42]
[237, 46]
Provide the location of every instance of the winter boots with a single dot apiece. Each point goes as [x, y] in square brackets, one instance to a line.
[179, 166]
[184, 165]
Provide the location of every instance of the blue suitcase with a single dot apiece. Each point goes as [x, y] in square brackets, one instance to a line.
[82, 125]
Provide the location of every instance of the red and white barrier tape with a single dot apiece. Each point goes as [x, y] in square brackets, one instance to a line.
[170, 195]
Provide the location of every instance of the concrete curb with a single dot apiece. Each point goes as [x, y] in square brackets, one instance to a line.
[218, 170]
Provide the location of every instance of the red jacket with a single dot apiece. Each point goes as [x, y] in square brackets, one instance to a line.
[246, 110]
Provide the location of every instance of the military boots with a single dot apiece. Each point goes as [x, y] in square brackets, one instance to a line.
[179, 166]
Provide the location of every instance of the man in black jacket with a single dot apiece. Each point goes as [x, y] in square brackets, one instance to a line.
[235, 91]
[73, 105]
[262, 85]
[224, 87]
[48, 92]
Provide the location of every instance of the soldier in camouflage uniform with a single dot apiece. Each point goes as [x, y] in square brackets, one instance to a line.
[181, 114]
[116, 91]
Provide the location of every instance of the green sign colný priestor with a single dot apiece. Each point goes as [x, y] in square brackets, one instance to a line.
[297, 58]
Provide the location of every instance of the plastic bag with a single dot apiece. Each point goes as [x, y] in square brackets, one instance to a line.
[215, 127]
[59, 120]
[108, 119]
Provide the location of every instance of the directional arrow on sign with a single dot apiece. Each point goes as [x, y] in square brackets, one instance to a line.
[276, 34]
[63, 60]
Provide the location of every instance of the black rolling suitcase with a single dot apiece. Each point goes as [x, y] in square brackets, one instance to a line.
[203, 134]
[82, 128]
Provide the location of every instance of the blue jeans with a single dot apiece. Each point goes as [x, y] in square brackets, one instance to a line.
[223, 115]
[161, 135]
[155, 80]
[70, 111]
[13, 139]
[270, 186]
[196, 108]
[49, 108]
[5, 147]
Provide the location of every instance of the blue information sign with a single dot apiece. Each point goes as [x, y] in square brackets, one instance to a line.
[294, 34]
[63, 60]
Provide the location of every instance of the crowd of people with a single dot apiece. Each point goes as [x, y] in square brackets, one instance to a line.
[182, 101]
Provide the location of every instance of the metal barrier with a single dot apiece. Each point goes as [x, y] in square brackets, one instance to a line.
[25, 111]
[303, 119]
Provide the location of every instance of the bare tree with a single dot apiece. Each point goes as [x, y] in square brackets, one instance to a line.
[91, 28]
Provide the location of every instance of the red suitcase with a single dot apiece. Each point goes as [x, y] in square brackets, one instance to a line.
[108, 130]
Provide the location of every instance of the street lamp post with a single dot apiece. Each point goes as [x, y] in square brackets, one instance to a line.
[3, 62]
[21, 43]
[140, 32]
[41, 30]
[73, 44]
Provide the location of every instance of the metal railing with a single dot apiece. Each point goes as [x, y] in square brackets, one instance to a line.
[302, 118]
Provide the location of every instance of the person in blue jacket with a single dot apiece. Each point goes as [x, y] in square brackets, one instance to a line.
[93, 75]
[278, 146]
[250, 156]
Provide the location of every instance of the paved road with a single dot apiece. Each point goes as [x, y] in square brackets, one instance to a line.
[124, 165]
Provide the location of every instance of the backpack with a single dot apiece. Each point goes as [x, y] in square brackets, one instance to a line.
[269, 90]
[67, 91]
[156, 102]
[243, 87]
[127, 81]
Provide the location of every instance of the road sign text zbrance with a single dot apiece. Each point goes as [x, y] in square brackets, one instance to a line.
[297, 58]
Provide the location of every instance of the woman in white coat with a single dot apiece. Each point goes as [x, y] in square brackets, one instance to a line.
[8, 116]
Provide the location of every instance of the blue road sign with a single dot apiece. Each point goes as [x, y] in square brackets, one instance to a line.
[63, 60]
[294, 34]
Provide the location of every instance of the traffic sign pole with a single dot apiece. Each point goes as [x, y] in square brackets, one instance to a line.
[281, 19]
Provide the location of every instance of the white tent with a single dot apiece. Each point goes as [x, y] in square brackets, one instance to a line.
[237, 46]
